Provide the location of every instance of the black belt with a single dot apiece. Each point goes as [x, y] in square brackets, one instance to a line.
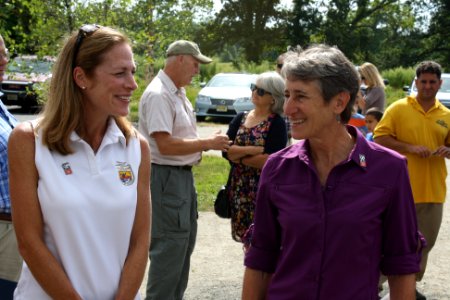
[5, 217]
[186, 167]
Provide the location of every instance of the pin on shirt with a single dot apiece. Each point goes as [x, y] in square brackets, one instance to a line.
[67, 169]
[362, 160]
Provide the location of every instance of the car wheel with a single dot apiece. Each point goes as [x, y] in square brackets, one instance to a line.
[201, 118]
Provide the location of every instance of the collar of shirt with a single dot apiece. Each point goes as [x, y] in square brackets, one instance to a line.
[167, 81]
[113, 135]
[413, 101]
[358, 155]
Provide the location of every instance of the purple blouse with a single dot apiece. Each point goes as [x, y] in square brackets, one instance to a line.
[331, 242]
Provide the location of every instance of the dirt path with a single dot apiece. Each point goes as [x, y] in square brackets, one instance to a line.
[216, 269]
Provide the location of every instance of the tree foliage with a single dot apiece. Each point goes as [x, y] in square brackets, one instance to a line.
[255, 26]
[388, 33]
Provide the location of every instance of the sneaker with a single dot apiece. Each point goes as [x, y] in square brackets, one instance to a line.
[419, 296]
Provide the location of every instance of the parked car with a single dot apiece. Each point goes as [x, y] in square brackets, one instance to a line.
[225, 95]
[444, 92]
[26, 75]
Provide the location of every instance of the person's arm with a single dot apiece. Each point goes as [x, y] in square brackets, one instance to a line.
[402, 147]
[27, 216]
[374, 98]
[402, 287]
[255, 284]
[169, 145]
[238, 153]
[255, 161]
[136, 261]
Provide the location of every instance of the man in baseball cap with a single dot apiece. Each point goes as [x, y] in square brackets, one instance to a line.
[167, 120]
[181, 47]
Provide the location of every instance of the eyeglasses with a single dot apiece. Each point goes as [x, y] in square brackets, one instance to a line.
[259, 91]
[279, 66]
[363, 78]
[5, 55]
[84, 31]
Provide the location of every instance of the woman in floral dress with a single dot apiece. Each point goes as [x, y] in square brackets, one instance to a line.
[255, 135]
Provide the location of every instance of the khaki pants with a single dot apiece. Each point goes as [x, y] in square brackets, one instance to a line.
[10, 259]
[174, 232]
[429, 219]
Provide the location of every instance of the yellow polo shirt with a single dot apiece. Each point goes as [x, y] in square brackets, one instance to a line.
[406, 121]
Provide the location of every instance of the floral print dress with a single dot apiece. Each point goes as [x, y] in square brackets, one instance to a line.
[244, 179]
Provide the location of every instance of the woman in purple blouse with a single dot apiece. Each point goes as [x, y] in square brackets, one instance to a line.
[333, 210]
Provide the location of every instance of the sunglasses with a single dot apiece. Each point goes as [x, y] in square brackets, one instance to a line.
[84, 31]
[279, 66]
[259, 91]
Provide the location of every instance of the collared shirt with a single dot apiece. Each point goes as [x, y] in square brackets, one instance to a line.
[330, 242]
[406, 121]
[88, 202]
[165, 108]
[7, 123]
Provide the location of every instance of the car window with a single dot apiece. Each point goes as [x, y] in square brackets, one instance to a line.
[230, 81]
[24, 65]
[445, 87]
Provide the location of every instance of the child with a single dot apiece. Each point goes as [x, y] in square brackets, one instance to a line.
[357, 119]
[373, 116]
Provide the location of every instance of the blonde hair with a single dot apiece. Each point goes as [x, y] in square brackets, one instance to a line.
[372, 77]
[63, 112]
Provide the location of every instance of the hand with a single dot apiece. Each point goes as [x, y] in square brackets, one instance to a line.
[420, 150]
[442, 151]
[361, 102]
[255, 150]
[219, 141]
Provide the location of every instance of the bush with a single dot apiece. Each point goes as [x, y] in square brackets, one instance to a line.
[399, 77]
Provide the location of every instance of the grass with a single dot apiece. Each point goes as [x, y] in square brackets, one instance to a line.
[210, 175]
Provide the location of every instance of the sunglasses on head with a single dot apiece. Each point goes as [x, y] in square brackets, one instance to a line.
[84, 31]
[259, 91]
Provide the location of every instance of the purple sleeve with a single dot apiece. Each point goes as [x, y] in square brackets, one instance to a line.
[401, 254]
[265, 243]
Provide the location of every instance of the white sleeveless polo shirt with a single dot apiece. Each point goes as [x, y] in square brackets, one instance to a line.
[88, 203]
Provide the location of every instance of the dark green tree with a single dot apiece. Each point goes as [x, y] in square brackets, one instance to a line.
[255, 26]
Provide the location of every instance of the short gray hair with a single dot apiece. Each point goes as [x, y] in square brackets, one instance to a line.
[273, 83]
[329, 67]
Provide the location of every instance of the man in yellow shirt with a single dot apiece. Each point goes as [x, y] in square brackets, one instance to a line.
[419, 128]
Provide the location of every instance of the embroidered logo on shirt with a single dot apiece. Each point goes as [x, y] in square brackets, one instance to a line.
[362, 160]
[66, 168]
[442, 123]
[126, 174]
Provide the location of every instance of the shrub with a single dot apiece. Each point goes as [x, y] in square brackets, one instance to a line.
[399, 77]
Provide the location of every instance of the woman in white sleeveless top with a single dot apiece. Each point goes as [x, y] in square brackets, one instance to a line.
[80, 178]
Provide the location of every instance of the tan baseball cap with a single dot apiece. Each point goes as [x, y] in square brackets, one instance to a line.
[181, 47]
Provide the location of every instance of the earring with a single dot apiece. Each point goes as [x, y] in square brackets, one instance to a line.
[83, 87]
[338, 118]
